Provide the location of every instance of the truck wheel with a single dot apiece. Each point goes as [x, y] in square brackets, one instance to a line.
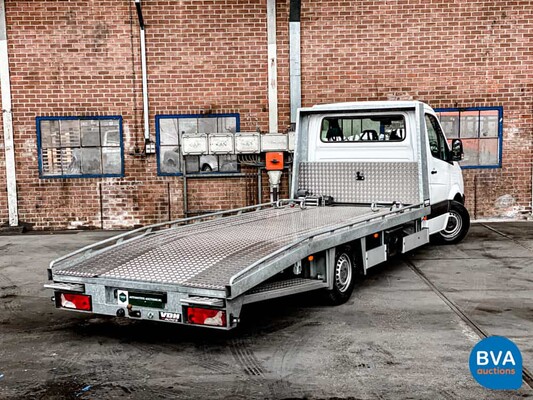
[457, 227]
[344, 277]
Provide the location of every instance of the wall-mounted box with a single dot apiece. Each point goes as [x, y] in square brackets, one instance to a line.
[194, 144]
[274, 161]
[292, 140]
[221, 143]
[274, 142]
[247, 143]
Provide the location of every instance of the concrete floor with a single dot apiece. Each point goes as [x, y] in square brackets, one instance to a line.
[395, 338]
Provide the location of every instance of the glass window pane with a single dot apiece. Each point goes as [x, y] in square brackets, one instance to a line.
[357, 129]
[91, 161]
[394, 129]
[168, 131]
[170, 159]
[437, 143]
[192, 164]
[450, 123]
[324, 130]
[471, 149]
[488, 123]
[209, 163]
[227, 124]
[111, 160]
[70, 132]
[50, 134]
[334, 132]
[207, 125]
[368, 124]
[488, 151]
[469, 124]
[433, 139]
[188, 125]
[228, 163]
[51, 162]
[71, 160]
[347, 128]
[90, 133]
[110, 132]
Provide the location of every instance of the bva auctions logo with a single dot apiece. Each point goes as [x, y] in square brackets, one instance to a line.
[496, 363]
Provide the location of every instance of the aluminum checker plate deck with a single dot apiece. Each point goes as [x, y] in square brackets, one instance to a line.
[208, 254]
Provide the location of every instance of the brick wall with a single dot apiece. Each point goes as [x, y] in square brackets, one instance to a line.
[82, 58]
[75, 58]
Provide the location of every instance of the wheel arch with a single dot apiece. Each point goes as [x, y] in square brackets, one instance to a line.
[456, 194]
[459, 198]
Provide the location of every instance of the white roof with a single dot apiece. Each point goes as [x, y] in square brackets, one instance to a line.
[365, 105]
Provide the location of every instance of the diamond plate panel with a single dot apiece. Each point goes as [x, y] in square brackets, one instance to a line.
[284, 284]
[208, 254]
[383, 181]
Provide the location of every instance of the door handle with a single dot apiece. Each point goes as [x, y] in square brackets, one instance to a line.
[433, 172]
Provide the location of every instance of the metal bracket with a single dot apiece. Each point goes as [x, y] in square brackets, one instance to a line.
[69, 287]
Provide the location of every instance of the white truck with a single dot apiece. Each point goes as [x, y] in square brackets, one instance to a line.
[370, 180]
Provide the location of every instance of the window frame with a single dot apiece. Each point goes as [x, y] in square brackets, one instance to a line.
[38, 121]
[500, 131]
[362, 116]
[158, 119]
[439, 132]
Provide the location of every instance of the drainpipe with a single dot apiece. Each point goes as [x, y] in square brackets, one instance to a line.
[7, 115]
[144, 73]
[294, 54]
[272, 67]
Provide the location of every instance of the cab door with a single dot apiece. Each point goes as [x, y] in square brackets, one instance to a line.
[439, 168]
[439, 171]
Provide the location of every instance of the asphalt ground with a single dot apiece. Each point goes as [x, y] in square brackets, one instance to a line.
[397, 338]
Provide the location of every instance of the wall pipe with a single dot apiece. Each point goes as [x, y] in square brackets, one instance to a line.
[294, 55]
[272, 67]
[7, 116]
[144, 73]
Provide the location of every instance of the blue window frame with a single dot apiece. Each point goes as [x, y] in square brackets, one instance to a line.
[481, 131]
[169, 131]
[80, 147]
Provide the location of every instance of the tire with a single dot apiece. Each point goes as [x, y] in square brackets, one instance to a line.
[344, 277]
[457, 227]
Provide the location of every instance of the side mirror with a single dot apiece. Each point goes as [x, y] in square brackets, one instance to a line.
[457, 152]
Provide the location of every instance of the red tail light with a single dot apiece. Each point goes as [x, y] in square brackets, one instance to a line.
[74, 301]
[206, 316]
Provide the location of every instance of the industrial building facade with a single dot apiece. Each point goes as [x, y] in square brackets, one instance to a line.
[80, 130]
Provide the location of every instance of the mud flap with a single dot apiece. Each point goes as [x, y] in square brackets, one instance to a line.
[436, 224]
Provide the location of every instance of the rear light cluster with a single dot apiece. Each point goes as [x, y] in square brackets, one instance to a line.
[74, 301]
[206, 316]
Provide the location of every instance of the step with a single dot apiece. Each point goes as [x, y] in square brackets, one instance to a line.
[271, 290]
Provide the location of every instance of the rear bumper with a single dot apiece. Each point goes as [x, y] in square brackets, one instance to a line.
[161, 306]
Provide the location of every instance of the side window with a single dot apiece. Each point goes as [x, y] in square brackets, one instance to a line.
[437, 142]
